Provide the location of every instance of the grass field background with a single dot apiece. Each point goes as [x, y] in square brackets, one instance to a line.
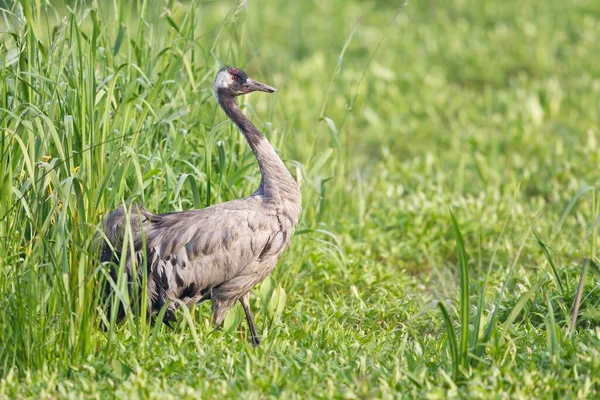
[393, 117]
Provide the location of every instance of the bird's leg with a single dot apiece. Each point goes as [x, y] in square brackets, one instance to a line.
[245, 300]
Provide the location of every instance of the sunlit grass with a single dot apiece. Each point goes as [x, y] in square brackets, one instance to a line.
[389, 115]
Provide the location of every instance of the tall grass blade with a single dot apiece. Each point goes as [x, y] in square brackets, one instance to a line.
[492, 322]
[546, 251]
[570, 206]
[578, 295]
[519, 307]
[551, 330]
[464, 292]
[451, 340]
[478, 344]
[339, 66]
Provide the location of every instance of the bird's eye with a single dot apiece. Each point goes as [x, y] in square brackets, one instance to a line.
[234, 77]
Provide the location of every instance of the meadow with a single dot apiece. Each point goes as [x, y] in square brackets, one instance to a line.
[448, 157]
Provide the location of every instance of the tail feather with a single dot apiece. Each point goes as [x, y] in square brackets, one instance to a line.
[115, 228]
[111, 245]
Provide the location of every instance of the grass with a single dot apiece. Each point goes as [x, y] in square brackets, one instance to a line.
[390, 115]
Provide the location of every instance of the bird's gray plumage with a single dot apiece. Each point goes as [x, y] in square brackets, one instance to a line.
[219, 252]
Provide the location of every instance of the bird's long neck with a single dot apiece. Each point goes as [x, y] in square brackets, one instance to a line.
[276, 182]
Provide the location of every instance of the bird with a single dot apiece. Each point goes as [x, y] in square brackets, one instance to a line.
[218, 253]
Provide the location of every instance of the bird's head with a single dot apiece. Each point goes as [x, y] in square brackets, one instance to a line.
[235, 82]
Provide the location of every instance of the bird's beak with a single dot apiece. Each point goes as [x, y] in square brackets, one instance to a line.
[252, 86]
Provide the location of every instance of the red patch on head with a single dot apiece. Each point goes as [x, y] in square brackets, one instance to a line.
[237, 74]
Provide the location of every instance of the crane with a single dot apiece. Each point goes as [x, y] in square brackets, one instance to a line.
[218, 253]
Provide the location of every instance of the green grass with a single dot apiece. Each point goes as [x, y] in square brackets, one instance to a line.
[390, 115]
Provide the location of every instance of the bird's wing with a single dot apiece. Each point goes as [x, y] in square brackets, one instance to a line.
[194, 250]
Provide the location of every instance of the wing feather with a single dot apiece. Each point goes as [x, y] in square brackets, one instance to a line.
[198, 249]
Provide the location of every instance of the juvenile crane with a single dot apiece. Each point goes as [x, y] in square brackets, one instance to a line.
[221, 252]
